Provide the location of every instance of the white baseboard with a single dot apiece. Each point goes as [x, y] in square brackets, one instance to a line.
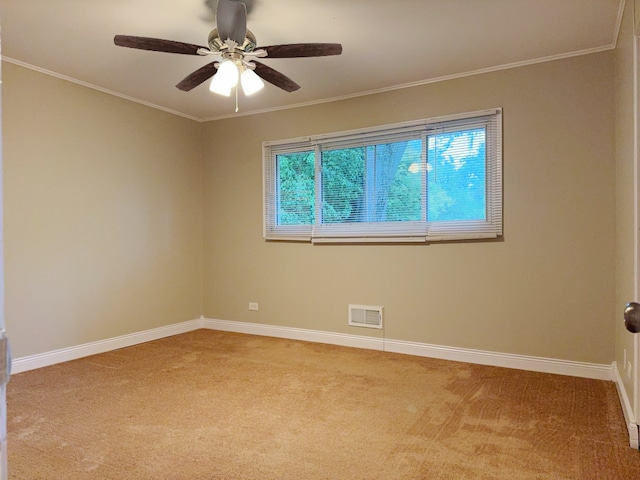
[629, 417]
[520, 362]
[291, 333]
[32, 362]
[507, 360]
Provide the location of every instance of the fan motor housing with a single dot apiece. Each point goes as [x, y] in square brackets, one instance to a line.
[217, 45]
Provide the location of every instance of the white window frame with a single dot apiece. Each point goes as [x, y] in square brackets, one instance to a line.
[386, 232]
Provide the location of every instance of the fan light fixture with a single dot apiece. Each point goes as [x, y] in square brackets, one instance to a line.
[227, 78]
[251, 82]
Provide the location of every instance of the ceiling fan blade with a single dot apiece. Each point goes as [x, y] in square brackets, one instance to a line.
[201, 75]
[293, 50]
[231, 20]
[157, 44]
[275, 78]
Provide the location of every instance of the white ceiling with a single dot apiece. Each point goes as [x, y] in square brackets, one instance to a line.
[387, 44]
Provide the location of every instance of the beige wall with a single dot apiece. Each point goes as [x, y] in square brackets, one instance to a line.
[104, 234]
[103, 214]
[625, 220]
[546, 289]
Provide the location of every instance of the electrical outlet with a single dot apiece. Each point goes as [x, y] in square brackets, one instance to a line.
[253, 306]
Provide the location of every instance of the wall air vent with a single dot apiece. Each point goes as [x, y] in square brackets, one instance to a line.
[365, 316]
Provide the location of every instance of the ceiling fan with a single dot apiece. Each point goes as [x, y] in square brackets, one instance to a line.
[236, 51]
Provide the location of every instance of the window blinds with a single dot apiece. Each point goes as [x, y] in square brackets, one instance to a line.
[422, 181]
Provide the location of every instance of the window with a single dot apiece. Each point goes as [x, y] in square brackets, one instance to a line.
[438, 179]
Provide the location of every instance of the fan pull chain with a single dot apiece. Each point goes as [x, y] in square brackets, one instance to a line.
[236, 89]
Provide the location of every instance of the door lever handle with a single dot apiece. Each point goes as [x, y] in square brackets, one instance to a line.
[632, 317]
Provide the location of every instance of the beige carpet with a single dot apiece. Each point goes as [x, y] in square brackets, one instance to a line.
[214, 405]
